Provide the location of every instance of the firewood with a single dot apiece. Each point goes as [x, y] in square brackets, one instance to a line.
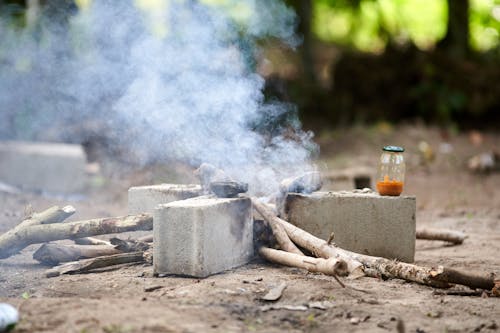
[53, 254]
[91, 241]
[279, 233]
[86, 265]
[317, 246]
[129, 245]
[452, 236]
[440, 277]
[146, 239]
[331, 266]
[17, 240]
[54, 214]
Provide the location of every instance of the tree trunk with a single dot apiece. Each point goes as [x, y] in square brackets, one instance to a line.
[456, 41]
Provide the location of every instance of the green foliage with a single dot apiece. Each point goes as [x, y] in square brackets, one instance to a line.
[484, 24]
[25, 295]
[369, 25]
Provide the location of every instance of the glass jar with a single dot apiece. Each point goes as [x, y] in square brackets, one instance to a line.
[391, 171]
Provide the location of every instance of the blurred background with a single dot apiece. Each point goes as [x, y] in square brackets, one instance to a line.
[367, 61]
[356, 61]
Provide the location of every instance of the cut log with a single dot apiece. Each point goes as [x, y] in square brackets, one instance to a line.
[86, 265]
[53, 254]
[452, 236]
[331, 266]
[279, 233]
[18, 240]
[91, 241]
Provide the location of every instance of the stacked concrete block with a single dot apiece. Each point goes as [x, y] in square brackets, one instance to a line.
[202, 236]
[362, 221]
[347, 179]
[49, 167]
[144, 199]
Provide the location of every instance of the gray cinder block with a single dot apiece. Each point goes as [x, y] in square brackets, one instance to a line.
[362, 222]
[202, 236]
[144, 199]
[50, 167]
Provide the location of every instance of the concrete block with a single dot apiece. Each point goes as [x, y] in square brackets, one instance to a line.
[348, 179]
[144, 199]
[362, 221]
[202, 236]
[50, 167]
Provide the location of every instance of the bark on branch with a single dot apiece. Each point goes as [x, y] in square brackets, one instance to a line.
[86, 265]
[452, 236]
[331, 266]
[91, 241]
[53, 254]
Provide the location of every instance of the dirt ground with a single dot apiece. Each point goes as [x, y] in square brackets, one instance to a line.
[113, 301]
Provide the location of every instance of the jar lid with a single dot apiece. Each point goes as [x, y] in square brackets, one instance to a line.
[393, 149]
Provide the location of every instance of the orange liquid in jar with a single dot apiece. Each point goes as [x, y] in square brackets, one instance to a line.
[389, 187]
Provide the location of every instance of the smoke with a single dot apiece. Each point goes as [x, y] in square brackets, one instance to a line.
[167, 80]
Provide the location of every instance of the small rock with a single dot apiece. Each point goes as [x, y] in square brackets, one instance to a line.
[492, 326]
[321, 305]
[275, 293]
[152, 288]
[8, 317]
[355, 320]
[283, 307]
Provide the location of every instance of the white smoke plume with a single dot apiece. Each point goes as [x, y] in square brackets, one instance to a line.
[172, 83]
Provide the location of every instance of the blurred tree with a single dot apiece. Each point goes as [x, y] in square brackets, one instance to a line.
[456, 41]
[304, 10]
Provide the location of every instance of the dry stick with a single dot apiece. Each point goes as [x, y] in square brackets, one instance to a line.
[18, 240]
[440, 277]
[53, 254]
[318, 247]
[86, 265]
[279, 233]
[129, 245]
[146, 239]
[91, 241]
[52, 215]
[331, 266]
[452, 236]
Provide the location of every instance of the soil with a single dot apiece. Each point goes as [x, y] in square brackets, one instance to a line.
[116, 300]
